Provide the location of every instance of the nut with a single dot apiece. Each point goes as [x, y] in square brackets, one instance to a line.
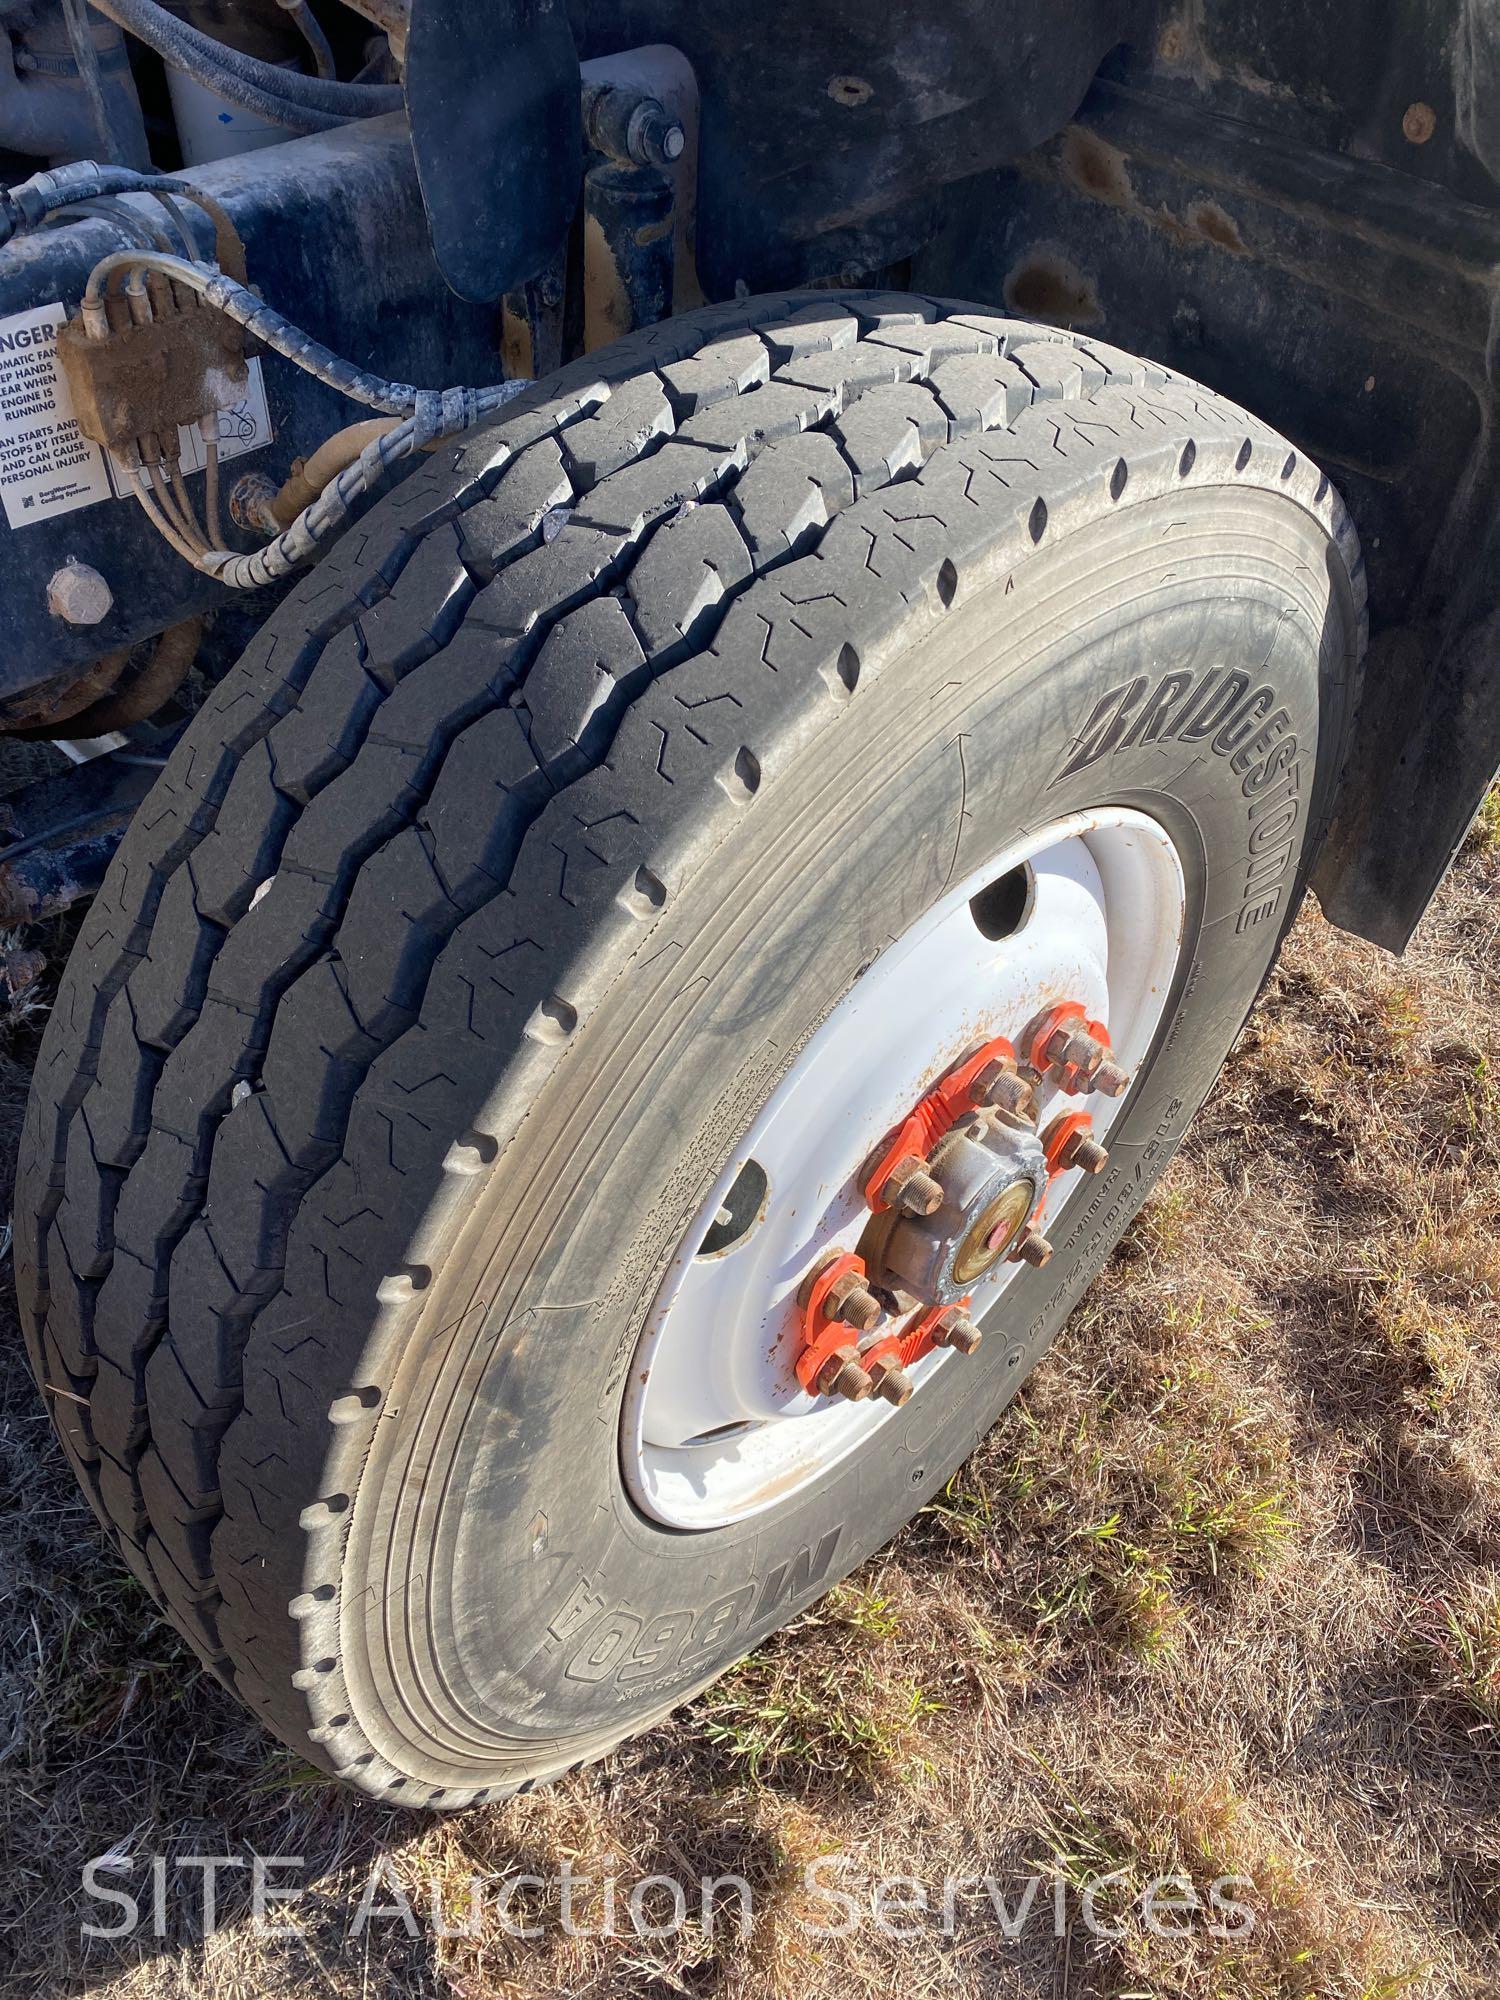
[908, 1185]
[848, 1302]
[78, 595]
[1081, 1151]
[1111, 1079]
[842, 1375]
[998, 1086]
[1088, 1059]
[1031, 1248]
[891, 1382]
[955, 1329]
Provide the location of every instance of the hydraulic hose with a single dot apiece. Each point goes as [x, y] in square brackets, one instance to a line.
[238, 302]
[261, 87]
[426, 415]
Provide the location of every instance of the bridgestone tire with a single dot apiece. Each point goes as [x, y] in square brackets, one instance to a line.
[485, 901]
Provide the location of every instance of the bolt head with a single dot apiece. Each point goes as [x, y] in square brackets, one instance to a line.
[892, 1383]
[78, 595]
[843, 1376]
[1032, 1248]
[908, 1185]
[848, 1302]
[956, 1330]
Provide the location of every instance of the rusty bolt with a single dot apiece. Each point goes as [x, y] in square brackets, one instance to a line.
[891, 1382]
[842, 1375]
[1071, 1048]
[1085, 1153]
[78, 595]
[1031, 1248]
[981, 1085]
[848, 1302]
[1111, 1079]
[1089, 1059]
[908, 1185]
[1419, 123]
[998, 1086]
[955, 1329]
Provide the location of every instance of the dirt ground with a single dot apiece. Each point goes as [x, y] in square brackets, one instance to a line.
[1219, 1597]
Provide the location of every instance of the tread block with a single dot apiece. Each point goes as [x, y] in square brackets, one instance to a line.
[639, 495]
[589, 661]
[890, 432]
[779, 410]
[846, 372]
[638, 411]
[789, 494]
[322, 731]
[496, 530]
[981, 392]
[1058, 370]
[682, 575]
[165, 986]
[720, 368]
[488, 789]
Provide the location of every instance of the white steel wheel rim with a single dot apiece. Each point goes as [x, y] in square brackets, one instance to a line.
[715, 1427]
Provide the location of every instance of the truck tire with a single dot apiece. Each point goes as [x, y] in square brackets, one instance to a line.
[692, 733]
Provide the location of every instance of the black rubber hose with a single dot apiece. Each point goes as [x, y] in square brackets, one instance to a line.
[30, 202]
[217, 67]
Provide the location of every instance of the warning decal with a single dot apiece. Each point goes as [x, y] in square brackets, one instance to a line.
[47, 465]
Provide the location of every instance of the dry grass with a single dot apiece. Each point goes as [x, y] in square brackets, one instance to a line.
[1220, 1597]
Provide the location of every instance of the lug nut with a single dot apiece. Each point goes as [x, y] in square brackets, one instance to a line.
[1031, 1248]
[842, 1375]
[956, 1330]
[1089, 1059]
[848, 1302]
[908, 1185]
[985, 1081]
[1111, 1079]
[1080, 1151]
[1071, 1048]
[891, 1381]
[1000, 1088]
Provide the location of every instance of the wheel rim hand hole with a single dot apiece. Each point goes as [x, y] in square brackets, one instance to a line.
[744, 1205]
[1002, 908]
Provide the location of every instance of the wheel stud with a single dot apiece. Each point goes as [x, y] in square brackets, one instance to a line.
[843, 1376]
[1111, 1079]
[1080, 1151]
[1032, 1248]
[849, 1303]
[955, 1329]
[1082, 1062]
[891, 1381]
[908, 1185]
[998, 1087]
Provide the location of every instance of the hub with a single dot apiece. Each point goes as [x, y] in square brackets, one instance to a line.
[898, 1180]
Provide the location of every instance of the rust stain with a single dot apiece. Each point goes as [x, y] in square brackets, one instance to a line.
[1208, 219]
[1096, 168]
[1049, 287]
